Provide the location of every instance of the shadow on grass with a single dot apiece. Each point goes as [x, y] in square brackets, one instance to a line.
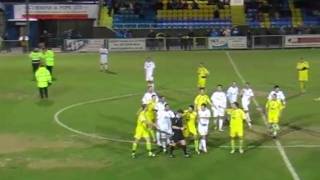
[293, 126]
[111, 72]
[45, 103]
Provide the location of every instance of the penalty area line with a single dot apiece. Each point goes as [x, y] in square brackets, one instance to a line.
[279, 146]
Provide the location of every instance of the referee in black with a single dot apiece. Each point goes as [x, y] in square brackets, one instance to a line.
[178, 138]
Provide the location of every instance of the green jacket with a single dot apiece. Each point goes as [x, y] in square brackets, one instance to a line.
[43, 77]
[49, 57]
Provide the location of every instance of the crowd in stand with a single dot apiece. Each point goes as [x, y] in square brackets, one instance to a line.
[192, 4]
[274, 8]
[117, 7]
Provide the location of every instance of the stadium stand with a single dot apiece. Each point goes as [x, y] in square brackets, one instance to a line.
[308, 11]
[172, 14]
[281, 13]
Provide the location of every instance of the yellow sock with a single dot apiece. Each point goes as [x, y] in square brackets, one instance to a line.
[134, 146]
[240, 143]
[196, 145]
[153, 135]
[148, 146]
[302, 86]
[232, 144]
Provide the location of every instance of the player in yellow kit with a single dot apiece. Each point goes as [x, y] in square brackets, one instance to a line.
[203, 73]
[303, 73]
[142, 131]
[201, 98]
[273, 109]
[151, 116]
[190, 119]
[237, 116]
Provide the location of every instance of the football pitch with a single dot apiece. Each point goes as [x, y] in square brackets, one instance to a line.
[84, 130]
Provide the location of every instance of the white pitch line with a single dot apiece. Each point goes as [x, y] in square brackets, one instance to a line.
[274, 146]
[279, 146]
[95, 136]
[57, 120]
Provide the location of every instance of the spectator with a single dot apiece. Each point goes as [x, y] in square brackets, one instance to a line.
[194, 5]
[226, 32]
[282, 30]
[185, 5]
[129, 34]
[210, 2]
[159, 5]
[179, 4]
[6, 43]
[190, 39]
[24, 42]
[174, 4]
[169, 5]
[151, 39]
[137, 8]
[214, 33]
[249, 38]
[160, 40]
[110, 5]
[43, 40]
[216, 13]
[235, 32]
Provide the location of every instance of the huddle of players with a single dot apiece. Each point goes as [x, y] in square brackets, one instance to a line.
[158, 123]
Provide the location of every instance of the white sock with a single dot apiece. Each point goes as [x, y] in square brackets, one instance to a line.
[158, 137]
[204, 145]
[105, 66]
[164, 144]
[201, 144]
[220, 123]
[248, 119]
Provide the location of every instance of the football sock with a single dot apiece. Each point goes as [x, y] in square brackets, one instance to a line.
[134, 146]
[171, 150]
[184, 148]
[204, 144]
[196, 145]
[148, 146]
[232, 144]
[220, 123]
[240, 143]
[302, 86]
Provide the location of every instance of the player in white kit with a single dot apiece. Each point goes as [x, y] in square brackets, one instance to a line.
[104, 53]
[232, 93]
[246, 95]
[164, 127]
[204, 115]
[147, 97]
[160, 107]
[280, 95]
[149, 67]
[219, 105]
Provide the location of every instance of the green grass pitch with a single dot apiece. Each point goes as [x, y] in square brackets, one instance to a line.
[34, 147]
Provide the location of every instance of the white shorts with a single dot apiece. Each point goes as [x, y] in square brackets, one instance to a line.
[164, 127]
[149, 76]
[245, 105]
[232, 99]
[203, 129]
[103, 60]
[218, 111]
